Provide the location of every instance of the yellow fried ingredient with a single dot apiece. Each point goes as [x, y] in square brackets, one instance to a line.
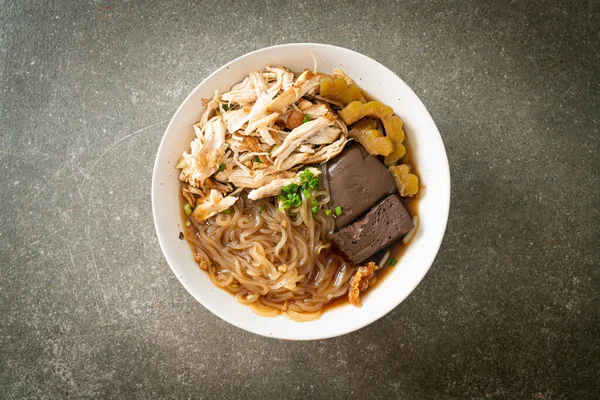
[396, 155]
[360, 282]
[339, 90]
[357, 110]
[393, 128]
[391, 124]
[371, 139]
[407, 183]
[375, 142]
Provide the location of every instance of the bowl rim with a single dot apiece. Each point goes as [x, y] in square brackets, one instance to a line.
[434, 245]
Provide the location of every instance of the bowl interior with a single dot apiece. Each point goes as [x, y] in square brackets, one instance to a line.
[381, 84]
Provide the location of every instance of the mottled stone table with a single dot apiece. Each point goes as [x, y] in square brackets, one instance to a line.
[89, 307]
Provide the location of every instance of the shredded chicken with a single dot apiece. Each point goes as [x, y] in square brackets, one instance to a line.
[360, 282]
[328, 152]
[262, 122]
[329, 101]
[305, 83]
[324, 136]
[221, 187]
[317, 110]
[304, 104]
[236, 119]
[288, 80]
[293, 160]
[211, 107]
[258, 80]
[188, 195]
[274, 187]
[266, 136]
[257, 136]
[212, 204]
[284, 78]
[242, 93]
[253, 179]
[297, 136]
[207, 153]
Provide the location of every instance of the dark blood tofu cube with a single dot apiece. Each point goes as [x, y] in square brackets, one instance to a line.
[385, 223]
[357, 181]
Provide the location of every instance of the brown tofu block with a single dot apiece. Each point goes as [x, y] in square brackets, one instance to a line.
[384, 224]
[357, 181]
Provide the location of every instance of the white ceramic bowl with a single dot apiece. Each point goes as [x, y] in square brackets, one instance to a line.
[383, 85]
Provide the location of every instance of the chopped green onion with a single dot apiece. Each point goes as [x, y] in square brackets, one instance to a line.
[291, 195]
[257, 160]
[187, 209]
[392, 261]
[261, 208]
[187, 223]
[295, 199]
[315, 206]
[222, 167]
[338, 211]
[327, 212]
[306, 118]
[228, 211]
[227, 106]
[306, 175]
[274, 97]
[291, 188]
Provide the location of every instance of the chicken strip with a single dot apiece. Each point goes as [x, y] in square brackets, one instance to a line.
[297, 136]
[211, 107]
[258, 81]
[306, 82]
[207, 153]
[242, 93]
[327, 152]
[317, 110]
[266, 136]
[293, 160]
[274, 187]
[325, 136]
[236, 119]
[260, 123]
[256, 178]
[212, 204]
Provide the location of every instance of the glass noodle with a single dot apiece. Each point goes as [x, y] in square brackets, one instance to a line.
[272, 260]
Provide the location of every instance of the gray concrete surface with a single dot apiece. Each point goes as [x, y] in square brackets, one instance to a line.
[89, 307]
